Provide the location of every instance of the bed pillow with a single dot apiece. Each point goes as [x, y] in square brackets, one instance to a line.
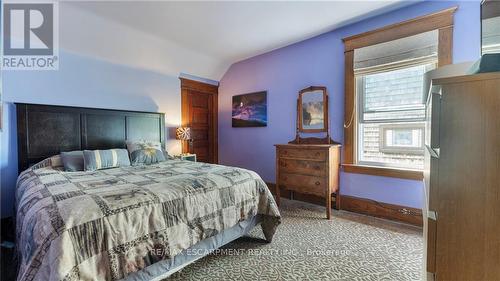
[72, 161]
[104, 159]
[54, 162]
[145, 152]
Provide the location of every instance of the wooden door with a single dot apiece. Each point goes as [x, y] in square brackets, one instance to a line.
[199, 111]
[199, 119]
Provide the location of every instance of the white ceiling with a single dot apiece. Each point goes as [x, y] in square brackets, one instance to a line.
[227, 32]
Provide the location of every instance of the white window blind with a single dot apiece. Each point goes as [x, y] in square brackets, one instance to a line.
[416, 47]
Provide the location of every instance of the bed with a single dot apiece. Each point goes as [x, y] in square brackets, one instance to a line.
[125, 223]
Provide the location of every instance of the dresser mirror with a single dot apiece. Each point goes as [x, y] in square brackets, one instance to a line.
[312, 110]
[312, 116]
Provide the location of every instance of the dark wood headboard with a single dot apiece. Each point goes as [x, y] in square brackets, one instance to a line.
[47, 130]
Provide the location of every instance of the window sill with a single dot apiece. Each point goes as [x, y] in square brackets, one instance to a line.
[383, 171]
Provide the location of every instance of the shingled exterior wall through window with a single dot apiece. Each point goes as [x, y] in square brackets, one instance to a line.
[391, 110]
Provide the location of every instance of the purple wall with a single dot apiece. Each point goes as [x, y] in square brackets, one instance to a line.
[81, 81]
[320, 61]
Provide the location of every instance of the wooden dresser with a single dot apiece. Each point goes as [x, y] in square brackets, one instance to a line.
[462, 179]
[309, 169]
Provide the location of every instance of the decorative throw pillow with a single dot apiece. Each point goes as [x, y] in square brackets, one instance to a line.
[54, 162]
[73, 161]
[145, 152]
[103, 159]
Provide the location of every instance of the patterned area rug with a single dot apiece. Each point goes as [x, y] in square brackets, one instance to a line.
[309, 247]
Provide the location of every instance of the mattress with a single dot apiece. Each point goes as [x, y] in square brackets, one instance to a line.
[109, 224]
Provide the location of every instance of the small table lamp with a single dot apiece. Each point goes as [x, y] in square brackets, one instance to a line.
[183, 134]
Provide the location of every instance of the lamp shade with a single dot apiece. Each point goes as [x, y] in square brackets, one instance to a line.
[183, 133]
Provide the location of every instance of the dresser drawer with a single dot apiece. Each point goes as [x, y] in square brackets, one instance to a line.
[305, 167]
[304, 184]
[313, 154]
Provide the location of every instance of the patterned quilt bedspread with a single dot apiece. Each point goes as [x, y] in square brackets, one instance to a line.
[106, 224]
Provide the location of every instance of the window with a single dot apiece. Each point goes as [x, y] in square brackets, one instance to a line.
[402, 139]
[391, 113]
[376, 53]
[490, 27]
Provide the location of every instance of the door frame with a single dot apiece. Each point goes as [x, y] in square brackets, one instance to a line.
[207, 89]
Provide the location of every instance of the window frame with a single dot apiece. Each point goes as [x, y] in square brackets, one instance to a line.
[441, 21]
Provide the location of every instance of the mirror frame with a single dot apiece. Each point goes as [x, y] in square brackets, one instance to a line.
[325, 110]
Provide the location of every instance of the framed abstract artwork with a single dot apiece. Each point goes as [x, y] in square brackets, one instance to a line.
[250, 110]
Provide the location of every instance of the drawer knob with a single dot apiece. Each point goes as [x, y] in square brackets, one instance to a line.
[285, 152]
[317, 167]
[317, 183]
[317, 153]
